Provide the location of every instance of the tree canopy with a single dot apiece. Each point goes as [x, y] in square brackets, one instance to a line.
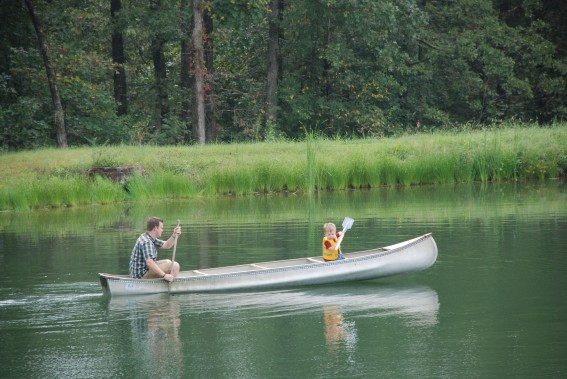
[142, 73]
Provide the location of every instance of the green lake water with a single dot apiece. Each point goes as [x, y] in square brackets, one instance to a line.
[493, 305]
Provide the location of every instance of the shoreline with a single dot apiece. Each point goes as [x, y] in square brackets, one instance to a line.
[53, 178]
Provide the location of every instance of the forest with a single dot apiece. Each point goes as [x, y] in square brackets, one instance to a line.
[157, 72]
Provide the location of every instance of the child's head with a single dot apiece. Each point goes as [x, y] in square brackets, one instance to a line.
[330, 229]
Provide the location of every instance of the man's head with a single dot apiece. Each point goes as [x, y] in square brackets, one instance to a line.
[155, 224]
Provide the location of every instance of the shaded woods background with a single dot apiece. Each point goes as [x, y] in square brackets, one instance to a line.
[198, 71]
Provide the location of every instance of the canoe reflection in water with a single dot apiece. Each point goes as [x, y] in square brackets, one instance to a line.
[416, 305]
[165, 343]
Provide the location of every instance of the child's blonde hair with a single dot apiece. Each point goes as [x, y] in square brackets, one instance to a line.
[329, 227]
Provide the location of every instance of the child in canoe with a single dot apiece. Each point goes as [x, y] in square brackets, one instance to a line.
[331, 243]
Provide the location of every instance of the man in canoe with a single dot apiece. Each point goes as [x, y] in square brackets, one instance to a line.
[144, 263]
[331, 243]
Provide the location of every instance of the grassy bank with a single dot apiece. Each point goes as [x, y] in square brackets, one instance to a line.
[56, 178]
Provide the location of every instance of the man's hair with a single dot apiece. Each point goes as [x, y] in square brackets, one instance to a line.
[153, 222]
[329, 227]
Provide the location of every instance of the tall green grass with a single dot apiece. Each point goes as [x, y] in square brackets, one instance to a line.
[56, 178]
[160, 186]
[55, 192]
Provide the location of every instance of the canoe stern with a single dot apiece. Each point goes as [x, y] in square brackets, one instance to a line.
[104, 285]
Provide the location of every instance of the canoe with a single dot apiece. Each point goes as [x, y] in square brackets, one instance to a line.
[412, 255]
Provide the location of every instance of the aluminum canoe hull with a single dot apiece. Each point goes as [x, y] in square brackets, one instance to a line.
[412, 255]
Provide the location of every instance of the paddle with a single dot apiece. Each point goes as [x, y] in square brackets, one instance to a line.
[173, 259]
[347, 224]
[174, 248]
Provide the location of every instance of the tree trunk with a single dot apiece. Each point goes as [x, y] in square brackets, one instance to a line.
[273, 60]
[185, 75]
[59, 114]
[199, 71]
[211, 124]
[160, 72]
[118, 61]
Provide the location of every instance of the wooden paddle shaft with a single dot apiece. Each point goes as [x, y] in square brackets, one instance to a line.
[174, 248]
[338, 245]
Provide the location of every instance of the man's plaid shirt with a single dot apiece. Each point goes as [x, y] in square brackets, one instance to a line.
[146, 247]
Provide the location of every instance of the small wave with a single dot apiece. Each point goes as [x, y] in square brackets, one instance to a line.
[7, 303]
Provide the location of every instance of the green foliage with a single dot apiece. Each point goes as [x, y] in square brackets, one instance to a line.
[353, 68]
[234, 14]
[102, 157]
[24, 114]
[490, 71]
[240, 70]
[23, 126]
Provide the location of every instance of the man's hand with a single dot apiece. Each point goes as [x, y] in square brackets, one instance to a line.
[177, 231]
[169, 277]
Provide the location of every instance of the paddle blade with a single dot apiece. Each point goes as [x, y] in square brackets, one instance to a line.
[347, 223]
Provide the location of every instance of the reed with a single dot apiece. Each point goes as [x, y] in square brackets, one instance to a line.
[56, 178]
[311, 174]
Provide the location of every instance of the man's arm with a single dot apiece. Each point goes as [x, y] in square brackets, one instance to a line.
[171, 241]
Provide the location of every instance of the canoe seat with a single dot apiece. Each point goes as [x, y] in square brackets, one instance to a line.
[258, 266]
[199, 272]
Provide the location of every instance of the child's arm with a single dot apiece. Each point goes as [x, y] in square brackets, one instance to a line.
[328, 246]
